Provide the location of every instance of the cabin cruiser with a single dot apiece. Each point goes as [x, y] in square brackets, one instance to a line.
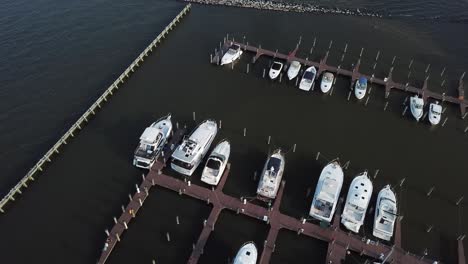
[327, 192]
[357, 201]
[293, 69]
[435, 113]
[308, 79]
[190, 153]
[360, 88]
[233, 53]
[271, 175]
[417, 107]
[275, 70]
[216, 163]
[327, 81]
[152, 141]
[247, 254]
[385, 214]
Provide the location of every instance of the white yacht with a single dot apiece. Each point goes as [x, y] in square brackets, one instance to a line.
[308, 79]
[358, 198]
[190, 153]
[435, 113]
[233, 53]
[271, 175]
[385, 214]
[327, 81]
[360, 88]
[216, 163]
[152, 141]
[293, 69]
[247, 254]
[417, 107]
[327, 192]
[275, 70]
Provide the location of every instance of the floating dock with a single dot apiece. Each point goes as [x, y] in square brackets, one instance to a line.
[340, 243]
[354, 74]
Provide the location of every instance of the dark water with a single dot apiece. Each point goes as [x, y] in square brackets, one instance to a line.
[57, 60]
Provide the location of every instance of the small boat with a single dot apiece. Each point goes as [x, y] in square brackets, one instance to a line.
[327, 81]
[435, 113]
[360, 88]
[152, 142]
[233, 53]
[190, 153]
[327, 192]
[308, 79]
[293, 69]
[357, 201]
[216, 163]
[385, 214]
[271, 175]
[417, 107]
[247, 254]
[275, 70]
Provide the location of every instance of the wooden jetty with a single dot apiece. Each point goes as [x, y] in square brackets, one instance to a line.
[340, 243]
[354, 74]
[90, 112]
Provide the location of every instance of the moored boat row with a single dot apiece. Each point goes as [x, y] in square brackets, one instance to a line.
[327, 195]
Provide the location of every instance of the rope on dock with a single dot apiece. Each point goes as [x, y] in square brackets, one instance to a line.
[84, 118]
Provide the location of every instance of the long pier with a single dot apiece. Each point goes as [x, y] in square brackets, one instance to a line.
[89, 113]
[388, 83]
[339, 242]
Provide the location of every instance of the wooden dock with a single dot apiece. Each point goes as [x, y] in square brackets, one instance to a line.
[354, 74]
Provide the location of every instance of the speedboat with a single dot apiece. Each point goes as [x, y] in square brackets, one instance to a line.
[357, 201]
[327, 192]
[233, 53]
[293, 69]
[271, 175]
[308, 79]
[275, 70]
[385, 214]
[327, 81]
[190, 153]
[152, 142]
[216, 163]
[435, 113]
[417, 106]
[247, 254]
[360, 88]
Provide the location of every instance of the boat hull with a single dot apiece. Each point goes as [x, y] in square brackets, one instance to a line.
[247, 254]
[307, 83]
[357, 201]
[383, 198]
[435, 111]
[415, 111]
[264, 187]
[293, 70]
[228, 58]
[209, 176]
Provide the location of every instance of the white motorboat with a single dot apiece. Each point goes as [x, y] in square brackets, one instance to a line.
[233, 53]
[327, 82]
[357, 201]
[308, 79]
[293, 69]
[435, 113]
[417, 107]
[152, 142]
[385, 214]
[360, 88]
[271, 175]
[190, 153]
[275, 70]
[247, 254]
[327, 192]
[216, 163]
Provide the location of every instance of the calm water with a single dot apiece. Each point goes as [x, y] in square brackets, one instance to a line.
[57, 60]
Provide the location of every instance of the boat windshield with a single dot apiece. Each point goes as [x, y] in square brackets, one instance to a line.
[418, 106]
[276, 66]
[309, 76]
[436, 111]
[232, 51]
[213, 164]
[182, 164]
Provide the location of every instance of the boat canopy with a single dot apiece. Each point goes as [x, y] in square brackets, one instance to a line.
[309, 75]
[328, 190]
[276, 66]
[213, 163]
[151, 135]
[274, 165]
[362, 80]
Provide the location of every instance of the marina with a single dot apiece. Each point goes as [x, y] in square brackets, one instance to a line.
[387, 82]
[340, 243]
